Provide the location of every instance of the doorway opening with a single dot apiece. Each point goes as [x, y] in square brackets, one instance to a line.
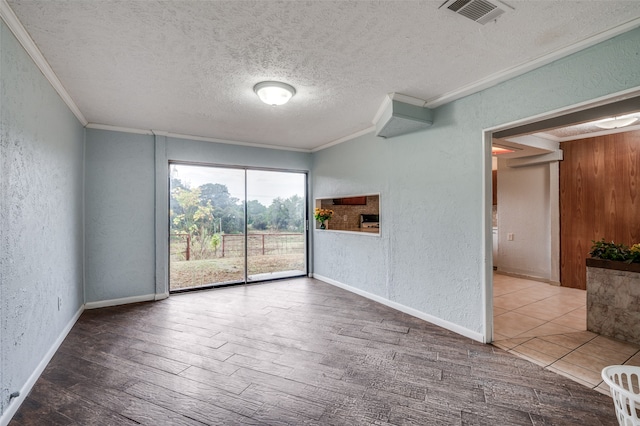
[528, 148]
[230, 225]
[543, 323]
[541, 188]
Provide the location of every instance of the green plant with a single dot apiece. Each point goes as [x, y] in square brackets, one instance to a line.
[612, 251]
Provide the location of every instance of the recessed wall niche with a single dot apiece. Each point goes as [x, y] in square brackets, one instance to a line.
[357, 213]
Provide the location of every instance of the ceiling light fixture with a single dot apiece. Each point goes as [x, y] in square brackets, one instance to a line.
[616, 122]
[274, 92]
[497, 150]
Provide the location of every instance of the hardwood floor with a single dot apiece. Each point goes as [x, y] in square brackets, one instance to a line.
[291, 353]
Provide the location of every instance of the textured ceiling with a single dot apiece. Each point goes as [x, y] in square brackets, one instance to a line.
[583, 130]
[546, 141]
[188, 67]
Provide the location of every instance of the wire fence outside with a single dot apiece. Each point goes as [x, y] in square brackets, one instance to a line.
[232, 245]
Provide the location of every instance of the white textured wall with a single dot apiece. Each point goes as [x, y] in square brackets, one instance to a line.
[41, 149]
[524, 211]
[430, 256]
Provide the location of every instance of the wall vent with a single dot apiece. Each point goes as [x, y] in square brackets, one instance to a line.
[481, 11]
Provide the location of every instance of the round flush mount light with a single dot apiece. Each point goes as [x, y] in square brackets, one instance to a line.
[616, 122]
[274, 92]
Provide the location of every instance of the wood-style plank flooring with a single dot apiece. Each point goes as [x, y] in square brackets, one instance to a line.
[295, 352]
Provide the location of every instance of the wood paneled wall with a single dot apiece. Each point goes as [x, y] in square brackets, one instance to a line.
[599, 198]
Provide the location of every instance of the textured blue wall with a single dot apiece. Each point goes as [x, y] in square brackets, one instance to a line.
[430, 255]
[126, 205]
[119, 215]
[41, 238]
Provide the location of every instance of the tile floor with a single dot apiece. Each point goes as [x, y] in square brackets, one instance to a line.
[548, 326]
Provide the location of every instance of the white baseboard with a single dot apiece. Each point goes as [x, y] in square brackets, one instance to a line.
[525, 276]
[161, 296]
[123, 301]
[407, 310]
[15, 404]
[12, 408]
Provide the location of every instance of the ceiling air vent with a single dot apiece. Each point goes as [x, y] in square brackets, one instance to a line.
[481, 11]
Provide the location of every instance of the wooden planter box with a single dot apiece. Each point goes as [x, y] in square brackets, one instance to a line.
[613, 299]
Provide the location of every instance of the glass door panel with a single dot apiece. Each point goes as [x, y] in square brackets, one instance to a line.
[206, 226]
[276, 236]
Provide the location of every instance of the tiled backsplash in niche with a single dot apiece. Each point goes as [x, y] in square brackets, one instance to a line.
[352, 212]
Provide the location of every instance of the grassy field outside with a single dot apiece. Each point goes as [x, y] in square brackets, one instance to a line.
[268, 253]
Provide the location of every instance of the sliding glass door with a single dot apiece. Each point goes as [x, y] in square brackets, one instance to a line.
[233, 225]
[276, 224]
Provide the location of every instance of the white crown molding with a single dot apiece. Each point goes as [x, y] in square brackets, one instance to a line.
[15, 26]
[189, 137]
[345, 138]
[251, 144]
[119, 129]
[512, 72]
[501, 77]
[383, 107]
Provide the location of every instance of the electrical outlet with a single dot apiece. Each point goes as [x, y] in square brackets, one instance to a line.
[510, 236]
[59, 302]
[344, 217]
